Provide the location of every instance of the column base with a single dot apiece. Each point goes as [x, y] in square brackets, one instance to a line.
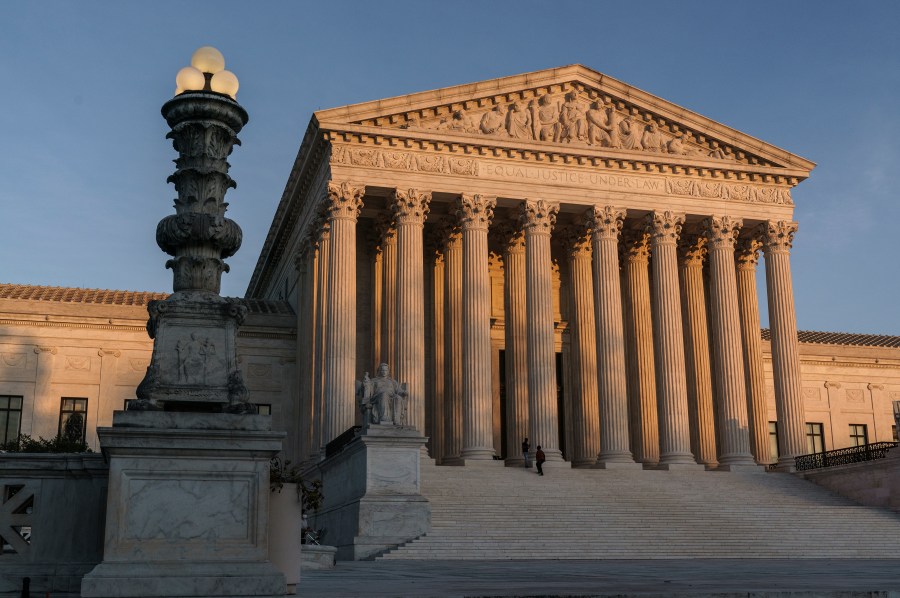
[617, 465]
[677, 467]
[741, 468]
[483, 462]
[554, 455]
[786, 465]
[478, 454]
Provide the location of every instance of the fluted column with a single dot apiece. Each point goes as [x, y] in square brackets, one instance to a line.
[691, 253]
[410, 208]
[474, 213]
[437, 443]
[343, 203]
[640, 364]
[722, 233]
[777, 238]
[746, 257]
[453, 359]
[305, 327]
[388, 293]
[538, 218]
[606, 223]
[512, 240]
[317, 411]
[671, 385]
[583, 344]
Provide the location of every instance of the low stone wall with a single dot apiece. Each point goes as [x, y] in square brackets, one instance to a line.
[57, 502]
[873, 483]
[314, 556]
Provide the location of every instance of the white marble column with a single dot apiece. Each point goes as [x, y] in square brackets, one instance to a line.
[305, 328]
[388, 232]
[410, 208]
[322, 306]
[474, 213]
[583, 347]
[606, 223]
[671, 385]
[107, 399]
[777, 238]
[640, 364]
[439, 390]
[691, 254]
[512, 240]
[538, 217]
[722, 233]
[746, 257]
[453, 358]
[343, 203]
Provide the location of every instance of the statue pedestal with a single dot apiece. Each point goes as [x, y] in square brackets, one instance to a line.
[187, 506]
[372, 493]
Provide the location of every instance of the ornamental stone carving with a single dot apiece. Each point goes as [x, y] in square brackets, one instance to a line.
[722, 231]
[635, 246]
[746, 253]
[382, 399]
[576, 240]
[665, 226]
[777, 237]
[343, 200]
[475, 211]
[692, 249]
[605, 222]
[538, 215]
[518, 122]
[410, 206]
[509, 235]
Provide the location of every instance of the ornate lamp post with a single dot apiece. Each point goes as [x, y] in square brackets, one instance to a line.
[194, 366]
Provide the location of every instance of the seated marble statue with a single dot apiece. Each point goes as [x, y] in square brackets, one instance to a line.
[382, 399]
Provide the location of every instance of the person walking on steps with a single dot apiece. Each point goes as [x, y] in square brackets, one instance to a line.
[525, 447]
[539, 458]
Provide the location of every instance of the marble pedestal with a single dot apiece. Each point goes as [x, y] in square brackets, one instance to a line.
[187, 506]
[372, 493]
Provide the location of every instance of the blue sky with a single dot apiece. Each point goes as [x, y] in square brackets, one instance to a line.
[83, 158]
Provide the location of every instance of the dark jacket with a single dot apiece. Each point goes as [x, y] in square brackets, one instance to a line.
[539, 456]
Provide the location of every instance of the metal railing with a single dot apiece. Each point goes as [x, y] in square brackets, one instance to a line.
[844, 456]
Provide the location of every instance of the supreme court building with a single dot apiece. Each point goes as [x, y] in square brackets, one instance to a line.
[555, 255]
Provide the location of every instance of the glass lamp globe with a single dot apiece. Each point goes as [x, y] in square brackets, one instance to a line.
[190, 79]
[208, 60]
[225, 82]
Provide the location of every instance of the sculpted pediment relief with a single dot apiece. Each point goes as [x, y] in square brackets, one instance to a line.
[571, 107]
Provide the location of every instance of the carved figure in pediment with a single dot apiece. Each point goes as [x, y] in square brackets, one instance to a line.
[717, 152]
[572, 123]
[518, 122]
[613, 126]
[632, 133]
[652, 140]
[459, 122]
[678, 145]
[597, 125]
[546, 119]
[493, 121]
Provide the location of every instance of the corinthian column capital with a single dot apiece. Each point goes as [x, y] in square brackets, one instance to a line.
[475, 211]
[538, 216]
[410, 206]
[605, 222]
[509, 235]
[343, 200]
[722, 231]
[692, 250]
[777, 236]
[664, 227]
[576, 241]
[746, 253]
[635, 246]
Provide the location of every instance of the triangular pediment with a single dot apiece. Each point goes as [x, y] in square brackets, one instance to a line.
[572, 108]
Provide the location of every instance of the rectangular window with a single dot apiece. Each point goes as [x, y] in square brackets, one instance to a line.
[815, 438]
[10, 418]
[894, 432]
[73, 408]
[773, 442]
[264, 408]
[858, 435]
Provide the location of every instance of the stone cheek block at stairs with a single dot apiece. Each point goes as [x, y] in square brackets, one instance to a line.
[372, 493]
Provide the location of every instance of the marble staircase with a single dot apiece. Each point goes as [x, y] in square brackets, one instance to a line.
[492, 512]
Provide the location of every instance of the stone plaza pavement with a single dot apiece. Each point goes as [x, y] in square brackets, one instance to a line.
[721, 578]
